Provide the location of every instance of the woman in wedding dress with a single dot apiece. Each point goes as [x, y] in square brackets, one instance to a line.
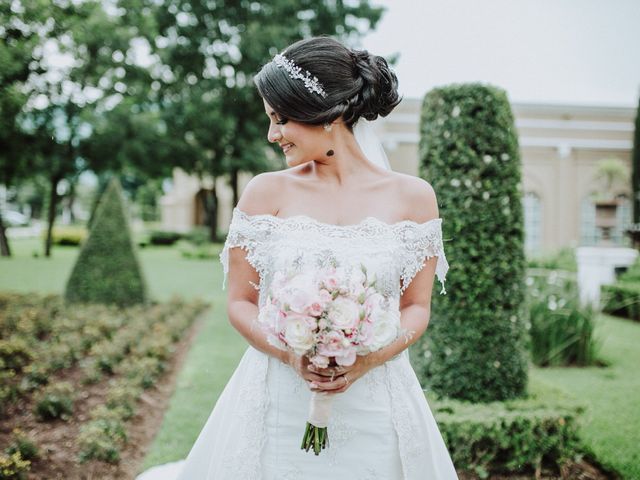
[338, 203]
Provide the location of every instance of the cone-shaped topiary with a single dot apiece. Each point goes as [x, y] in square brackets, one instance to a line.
[474, 348]
[107, 269]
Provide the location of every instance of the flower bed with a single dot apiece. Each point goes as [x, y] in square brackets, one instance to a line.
[72, 378]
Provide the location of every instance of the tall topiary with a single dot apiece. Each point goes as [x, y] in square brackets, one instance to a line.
[474, 348]
[635, 162]
[107, 269]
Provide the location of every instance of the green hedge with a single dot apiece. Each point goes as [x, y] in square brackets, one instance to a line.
[67, 235]
[107, 270]
[474, 348]
[622, 300]
[515, 436]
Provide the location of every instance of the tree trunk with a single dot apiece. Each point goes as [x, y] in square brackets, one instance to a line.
[53, 200]
[5, 250]
[213, 213]
[234, 186]
[71, 198]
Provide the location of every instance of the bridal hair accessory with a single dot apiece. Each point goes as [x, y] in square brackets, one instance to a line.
[311, 83]
[327, 127]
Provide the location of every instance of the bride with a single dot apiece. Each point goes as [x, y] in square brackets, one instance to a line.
[337, 203]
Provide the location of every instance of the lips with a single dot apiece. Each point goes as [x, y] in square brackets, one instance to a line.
[286, 147]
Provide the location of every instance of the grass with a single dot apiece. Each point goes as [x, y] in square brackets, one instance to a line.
[612, 429]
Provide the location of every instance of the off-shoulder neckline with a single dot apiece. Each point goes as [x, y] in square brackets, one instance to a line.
[308, 218]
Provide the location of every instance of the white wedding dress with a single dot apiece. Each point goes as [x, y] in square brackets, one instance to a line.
[381, 428]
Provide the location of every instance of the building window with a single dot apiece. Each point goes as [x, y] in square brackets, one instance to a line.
[532, 222]
[623, 219]
[589, 234]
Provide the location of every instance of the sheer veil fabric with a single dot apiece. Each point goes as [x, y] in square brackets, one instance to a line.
[381, 428]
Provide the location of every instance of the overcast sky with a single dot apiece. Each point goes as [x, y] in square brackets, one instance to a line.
[583, 52]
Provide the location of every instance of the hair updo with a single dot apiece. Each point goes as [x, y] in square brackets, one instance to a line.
[357, 84]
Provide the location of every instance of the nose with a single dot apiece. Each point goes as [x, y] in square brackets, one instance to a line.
[274, 133]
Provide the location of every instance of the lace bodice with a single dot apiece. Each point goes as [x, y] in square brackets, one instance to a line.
[394, 252]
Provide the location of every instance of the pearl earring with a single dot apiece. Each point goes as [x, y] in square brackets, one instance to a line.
[327, 127]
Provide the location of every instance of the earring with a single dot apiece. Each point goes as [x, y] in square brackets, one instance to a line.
[327, 127]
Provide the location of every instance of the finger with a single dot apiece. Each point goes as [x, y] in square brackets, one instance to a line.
[312, 377]
[334, 385]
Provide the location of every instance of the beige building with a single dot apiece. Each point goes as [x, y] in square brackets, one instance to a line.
[561, 146]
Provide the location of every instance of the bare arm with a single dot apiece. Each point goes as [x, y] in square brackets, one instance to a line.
[258, 197]
[242, 296]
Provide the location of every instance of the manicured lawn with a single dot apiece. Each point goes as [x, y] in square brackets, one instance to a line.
[612, 429]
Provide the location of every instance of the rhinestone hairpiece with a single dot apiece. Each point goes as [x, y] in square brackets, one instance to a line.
[311, 83]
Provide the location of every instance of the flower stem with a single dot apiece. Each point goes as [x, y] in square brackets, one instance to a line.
[315, 437]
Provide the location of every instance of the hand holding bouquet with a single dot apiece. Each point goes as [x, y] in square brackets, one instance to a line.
[330, 315]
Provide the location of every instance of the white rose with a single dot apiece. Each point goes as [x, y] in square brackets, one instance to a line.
[298, 335]
[344, 313]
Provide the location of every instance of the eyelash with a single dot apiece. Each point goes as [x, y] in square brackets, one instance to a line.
[282, 122]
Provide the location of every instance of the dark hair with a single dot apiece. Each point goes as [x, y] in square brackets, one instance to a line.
[357, 84]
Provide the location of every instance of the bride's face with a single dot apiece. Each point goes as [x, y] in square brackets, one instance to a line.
[300, 143]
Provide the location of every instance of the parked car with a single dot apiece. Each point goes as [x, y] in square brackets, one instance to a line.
[11, 218]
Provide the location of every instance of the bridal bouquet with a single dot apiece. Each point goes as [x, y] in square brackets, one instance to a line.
[331, 315]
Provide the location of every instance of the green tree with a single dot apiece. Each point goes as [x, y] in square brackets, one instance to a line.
[475, 349]
[19, 58]
[95, 62]
[210, 51]
[107, 269]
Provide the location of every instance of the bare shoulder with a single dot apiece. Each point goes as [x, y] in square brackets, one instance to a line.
[261, 194]
[419, 198]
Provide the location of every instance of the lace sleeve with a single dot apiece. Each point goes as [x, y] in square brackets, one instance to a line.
[421, 242]
[249, 232]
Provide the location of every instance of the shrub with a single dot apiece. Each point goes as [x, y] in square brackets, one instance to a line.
[198, 235]
[199, 252]
[102, 437]
[23, 445]
[68, 235]
[622, 299]
[13, 467]
[514, 436]
[123, 397]
[55, 401]
[561, 329]
[143, 372]
[563, 259]
[15, 354]
[107, 270]
[475, 346]
[161, 237]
